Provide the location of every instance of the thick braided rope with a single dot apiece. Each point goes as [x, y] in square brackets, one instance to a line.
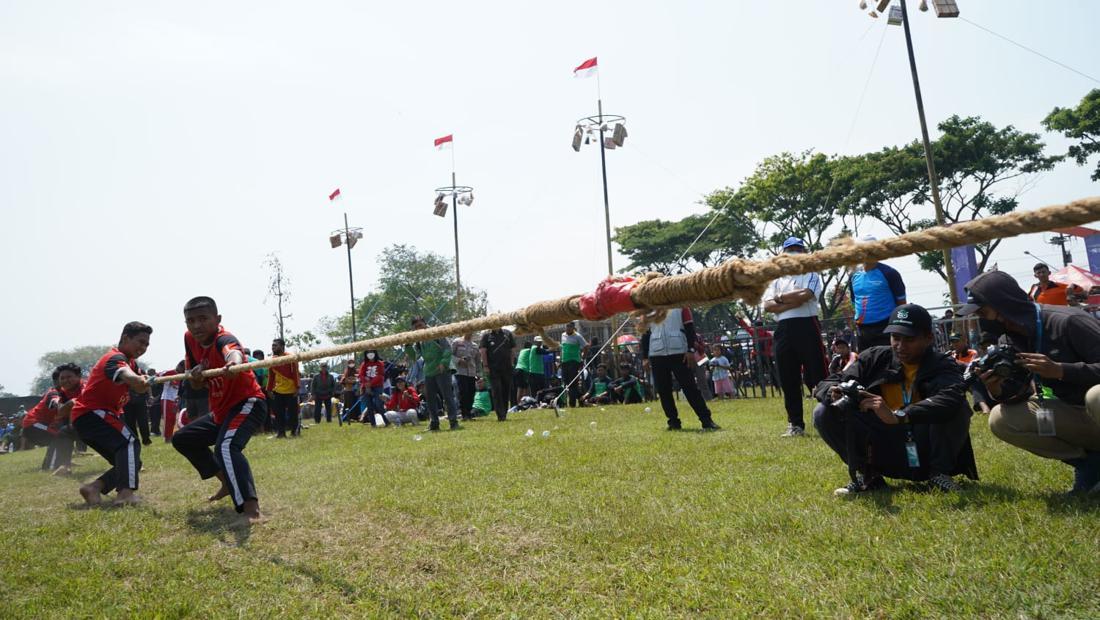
[734, 279]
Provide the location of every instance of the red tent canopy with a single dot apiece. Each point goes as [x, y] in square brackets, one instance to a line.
[1076, 276]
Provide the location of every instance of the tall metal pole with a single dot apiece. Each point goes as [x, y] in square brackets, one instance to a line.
[949, 265]
[606, 206]
[351, 281]
[458, 272]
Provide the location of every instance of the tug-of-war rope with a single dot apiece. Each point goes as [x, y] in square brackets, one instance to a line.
[734, 279]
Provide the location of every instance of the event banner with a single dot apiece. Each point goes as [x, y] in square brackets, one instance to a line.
[966, 267]
[1092, 248]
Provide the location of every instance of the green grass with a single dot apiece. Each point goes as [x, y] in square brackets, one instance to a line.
[620, 519]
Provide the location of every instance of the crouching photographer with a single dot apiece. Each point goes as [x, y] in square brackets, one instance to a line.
[1059, 348]
[899, 411]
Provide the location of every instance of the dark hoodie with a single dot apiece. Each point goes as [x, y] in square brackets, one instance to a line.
[1070, 336]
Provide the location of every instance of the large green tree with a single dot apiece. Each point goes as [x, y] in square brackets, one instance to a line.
[1081, 124]
[698, 240]
[410, 283]
[805, 195]
[85, 357]
[982, 170]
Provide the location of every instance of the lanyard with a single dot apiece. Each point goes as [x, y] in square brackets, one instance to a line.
[1038, 330]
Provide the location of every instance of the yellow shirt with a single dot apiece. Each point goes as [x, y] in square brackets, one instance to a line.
[892, 392]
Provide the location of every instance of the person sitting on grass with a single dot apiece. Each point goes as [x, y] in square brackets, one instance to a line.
[911, 419]
[627, 388]
[402, 406]
[598, 391]
[550, 394]
[483, 399]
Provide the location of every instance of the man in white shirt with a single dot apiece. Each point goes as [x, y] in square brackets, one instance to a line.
[799, 349]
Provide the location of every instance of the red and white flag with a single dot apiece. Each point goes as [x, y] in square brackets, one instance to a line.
[586, 69]
[334, 195]
[445, 142]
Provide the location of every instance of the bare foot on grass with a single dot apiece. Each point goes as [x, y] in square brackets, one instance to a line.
[126, 497]
[251, 512]
[90, 493]
[220, 493]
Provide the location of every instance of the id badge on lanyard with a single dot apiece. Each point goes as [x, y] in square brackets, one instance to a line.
[910, 445]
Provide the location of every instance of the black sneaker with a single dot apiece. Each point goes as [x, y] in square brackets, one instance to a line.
[859, 486]
[455, 426]
[674, 424]
[943, 482]
[709, 425]
[433, 427]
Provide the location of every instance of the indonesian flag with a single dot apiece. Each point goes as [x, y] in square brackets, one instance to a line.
[334, 195]
[445, 142]
[586, 69]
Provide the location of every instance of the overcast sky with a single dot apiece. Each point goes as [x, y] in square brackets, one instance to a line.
[153, 151]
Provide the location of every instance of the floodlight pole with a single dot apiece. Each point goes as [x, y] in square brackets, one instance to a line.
[351, 280]
[949, 265]
[458, 271]
[606, 202]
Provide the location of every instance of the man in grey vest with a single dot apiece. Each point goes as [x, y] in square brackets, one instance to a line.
[666, 349]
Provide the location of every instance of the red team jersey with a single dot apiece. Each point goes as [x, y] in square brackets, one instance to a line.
[45, 412]
[103, 391]
[228, 391]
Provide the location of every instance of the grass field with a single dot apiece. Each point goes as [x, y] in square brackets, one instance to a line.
[613, 519]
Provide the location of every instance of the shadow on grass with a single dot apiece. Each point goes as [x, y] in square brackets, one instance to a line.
[346, 588]
[982, 494]
[219, 522]
[1063, 504]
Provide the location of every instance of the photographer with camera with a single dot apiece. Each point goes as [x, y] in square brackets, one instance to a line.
[1055, 347]
[899, 411]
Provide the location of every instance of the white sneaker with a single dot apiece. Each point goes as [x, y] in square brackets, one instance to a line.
[793, 431]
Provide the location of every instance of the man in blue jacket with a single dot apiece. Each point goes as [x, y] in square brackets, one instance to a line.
[876, 289]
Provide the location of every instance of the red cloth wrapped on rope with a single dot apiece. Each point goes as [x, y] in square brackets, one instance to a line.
[611, 297]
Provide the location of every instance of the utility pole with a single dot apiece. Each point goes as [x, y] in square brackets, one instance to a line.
[933, 181]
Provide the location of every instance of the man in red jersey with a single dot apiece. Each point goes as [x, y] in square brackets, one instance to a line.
[47, 424]
[97, 415]
[237, 408]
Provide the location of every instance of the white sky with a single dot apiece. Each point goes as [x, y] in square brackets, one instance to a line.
[155, 151]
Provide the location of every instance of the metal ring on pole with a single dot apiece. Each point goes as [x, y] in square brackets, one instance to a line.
[457, 189]
[593, 122]
[342, 231]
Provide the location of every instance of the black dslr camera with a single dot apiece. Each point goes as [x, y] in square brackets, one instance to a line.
[1002, 361]
[850, 396]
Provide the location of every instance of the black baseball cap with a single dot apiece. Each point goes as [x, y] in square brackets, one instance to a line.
[909, 320]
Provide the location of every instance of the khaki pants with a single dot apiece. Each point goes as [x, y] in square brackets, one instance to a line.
[1077, 427]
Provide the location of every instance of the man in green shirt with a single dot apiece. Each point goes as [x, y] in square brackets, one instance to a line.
[573, 346]
[483, 402]
[598, 392]
[437, 375]
[536, 379]
[521, 371]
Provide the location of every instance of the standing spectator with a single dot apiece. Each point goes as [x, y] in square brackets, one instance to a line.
[799, 349]
[666, 349]
[153, 412]
[372, 377]
[536, 380]
[261, 380]
[136, 414]
[763, 350]
[521, 380]
[720, 373]
[323, 388]
[282, 382]
[876, 289]
[168, 402]
[348, 382]
[464, 352]
[1046, 292]
[437, 375]
[961, 351]
[497, 359]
